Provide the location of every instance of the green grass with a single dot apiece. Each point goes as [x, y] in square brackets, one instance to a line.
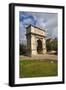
[37, 68]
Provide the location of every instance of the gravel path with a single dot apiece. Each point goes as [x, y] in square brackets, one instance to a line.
[40, 57]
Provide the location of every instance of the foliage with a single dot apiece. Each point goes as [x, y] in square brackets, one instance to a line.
[48, 45]
[52, 44]
[22, 49]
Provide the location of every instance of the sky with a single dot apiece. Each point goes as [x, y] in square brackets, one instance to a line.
[45, 21]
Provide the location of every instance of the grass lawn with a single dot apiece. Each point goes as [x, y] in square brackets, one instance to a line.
[37, 68]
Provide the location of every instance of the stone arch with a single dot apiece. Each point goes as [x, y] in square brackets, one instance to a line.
[36, 43]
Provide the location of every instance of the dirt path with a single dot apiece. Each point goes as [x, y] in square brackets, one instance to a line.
[40, 57]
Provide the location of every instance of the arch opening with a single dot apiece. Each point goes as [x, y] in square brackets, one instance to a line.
[39, 47]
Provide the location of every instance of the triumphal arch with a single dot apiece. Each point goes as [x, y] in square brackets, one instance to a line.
[36, 40]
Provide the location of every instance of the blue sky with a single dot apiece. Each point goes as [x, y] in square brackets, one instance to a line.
[45, 21]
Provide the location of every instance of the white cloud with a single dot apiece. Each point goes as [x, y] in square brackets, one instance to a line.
[46, 21]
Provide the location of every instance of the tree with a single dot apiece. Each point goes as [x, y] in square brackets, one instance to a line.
[48, 45]
[22, 49]
[52, 44]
